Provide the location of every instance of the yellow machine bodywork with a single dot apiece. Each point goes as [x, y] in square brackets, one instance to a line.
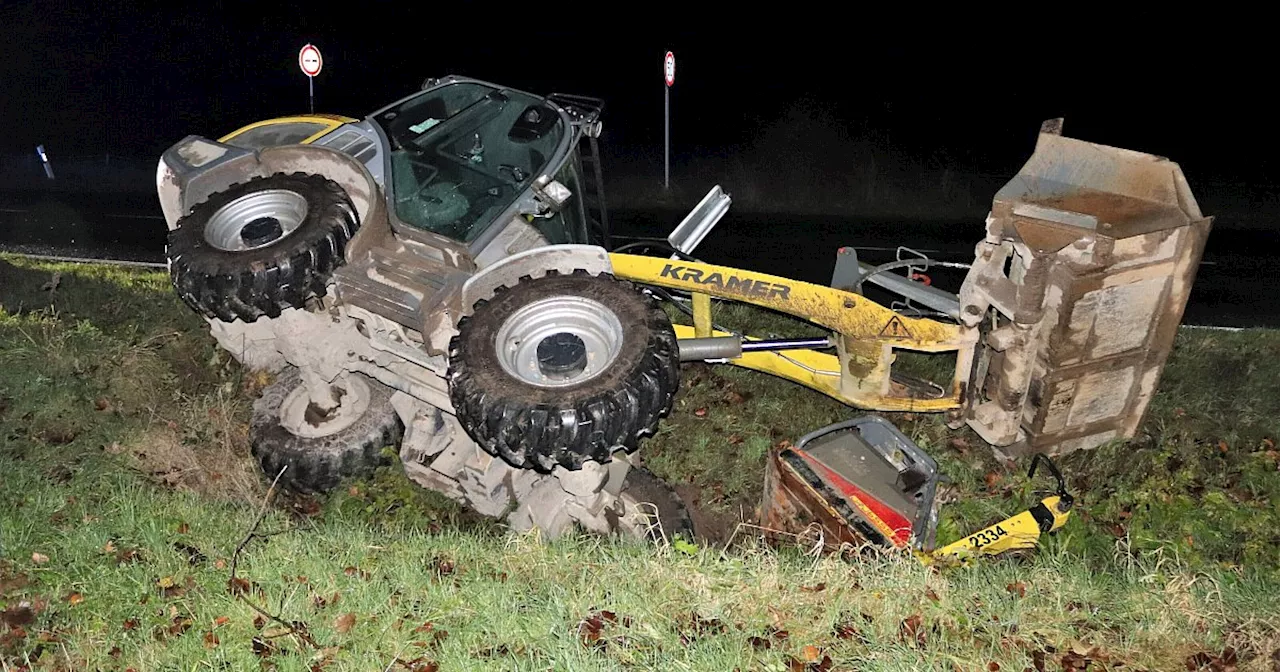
[326, 122]
[866, 334]
[1018, 532]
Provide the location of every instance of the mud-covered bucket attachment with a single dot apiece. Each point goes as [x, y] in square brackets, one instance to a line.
[852, 483]
[1078, 288]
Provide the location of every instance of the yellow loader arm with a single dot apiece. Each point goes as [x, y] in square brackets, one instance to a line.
[866, 334]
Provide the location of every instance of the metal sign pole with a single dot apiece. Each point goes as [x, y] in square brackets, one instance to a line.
[311, 63]
[669, 77]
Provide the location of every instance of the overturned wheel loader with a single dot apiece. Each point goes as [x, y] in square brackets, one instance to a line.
[436, 277]
[371, 264]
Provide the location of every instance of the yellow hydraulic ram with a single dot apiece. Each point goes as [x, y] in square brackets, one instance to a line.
[866, 334]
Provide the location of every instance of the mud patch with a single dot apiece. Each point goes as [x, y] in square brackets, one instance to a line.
[712, 524]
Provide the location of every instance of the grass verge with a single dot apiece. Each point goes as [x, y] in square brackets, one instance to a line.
[127, 488]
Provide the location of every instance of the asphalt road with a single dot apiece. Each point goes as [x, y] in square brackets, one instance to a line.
[1232, 287]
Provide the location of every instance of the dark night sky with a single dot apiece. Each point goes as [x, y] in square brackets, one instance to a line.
[131, 82]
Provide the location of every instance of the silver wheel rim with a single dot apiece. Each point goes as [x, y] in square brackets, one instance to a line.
[585, 332]
[256, 220]
[353, 404]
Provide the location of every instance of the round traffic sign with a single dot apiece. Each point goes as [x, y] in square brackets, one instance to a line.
[669, 68]
[310, 61]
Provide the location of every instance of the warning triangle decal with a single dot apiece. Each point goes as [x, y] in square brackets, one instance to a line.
[895, 329]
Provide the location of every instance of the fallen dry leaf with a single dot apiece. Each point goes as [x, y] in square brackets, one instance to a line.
[911, 630]
[1224, 662]
[1078, 659]
[323, 658]
[1017, 588]
[344, 623]
[810, 653]
[263, 647]
[193, 554]
[238, 586]
[18, 615]
[797, 665]
[126, 556]
[210, 640]
[75, 598]
[846, 630]
[694, 625]
[39, 558]
[700, 413]
[169, 588]
[442, 566]
[590, 628]
[180, 625]
[305, 505]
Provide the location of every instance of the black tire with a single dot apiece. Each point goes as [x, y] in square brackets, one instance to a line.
[318, 464]
[286, 272]
[541, 427]
[657, 496]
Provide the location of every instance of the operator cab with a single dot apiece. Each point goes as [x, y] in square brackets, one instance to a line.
[464, 156]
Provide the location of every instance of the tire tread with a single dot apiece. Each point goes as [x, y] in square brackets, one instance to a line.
[247, 287]
[541, 434]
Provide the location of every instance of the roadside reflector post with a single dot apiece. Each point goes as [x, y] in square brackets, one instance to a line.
[44, 160]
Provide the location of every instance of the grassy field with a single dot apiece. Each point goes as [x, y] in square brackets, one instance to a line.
[127, 488]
